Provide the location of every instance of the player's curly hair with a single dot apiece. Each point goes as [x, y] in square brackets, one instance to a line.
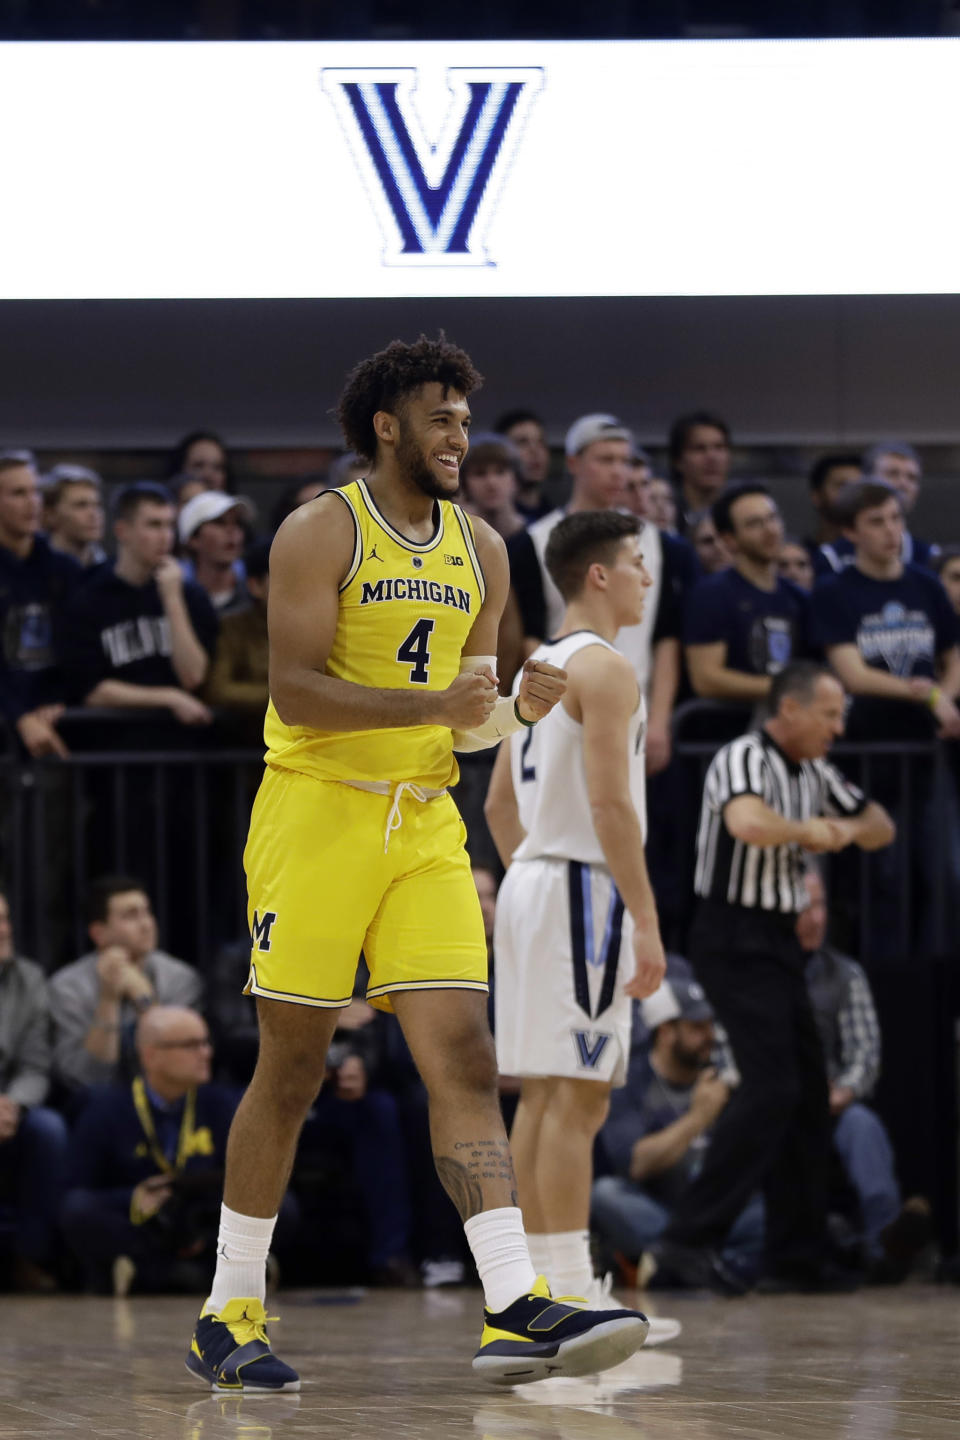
[387, 378]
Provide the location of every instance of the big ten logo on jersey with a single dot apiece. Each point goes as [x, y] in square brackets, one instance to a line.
[453, 559]
[590, 1045]
[433, 148]
[262, 926]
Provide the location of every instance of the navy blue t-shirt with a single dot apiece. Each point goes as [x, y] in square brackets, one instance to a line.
[836, 556]
[118, 631]
[900, 626]
[33, 591]
[763, 629]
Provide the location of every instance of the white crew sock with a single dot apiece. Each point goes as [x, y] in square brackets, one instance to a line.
[571, 1269]
[242, 1248]
[539, 1247]
[499, 1248]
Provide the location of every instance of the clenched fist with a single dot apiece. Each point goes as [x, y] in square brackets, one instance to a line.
[540, 689]
[468, 701]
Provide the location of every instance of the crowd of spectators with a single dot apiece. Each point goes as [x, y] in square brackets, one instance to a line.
[156, 603]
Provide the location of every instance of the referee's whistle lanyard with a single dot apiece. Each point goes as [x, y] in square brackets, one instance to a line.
[187, 1128]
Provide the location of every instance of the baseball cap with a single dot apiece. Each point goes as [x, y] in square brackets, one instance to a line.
[677, 999]
[208, 505]
[588, 428]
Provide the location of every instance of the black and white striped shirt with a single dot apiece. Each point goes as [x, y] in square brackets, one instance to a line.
[764, 877]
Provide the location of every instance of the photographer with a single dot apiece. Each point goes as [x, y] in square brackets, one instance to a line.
[146, 1165]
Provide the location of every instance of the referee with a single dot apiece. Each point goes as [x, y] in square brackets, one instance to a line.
[768, 796]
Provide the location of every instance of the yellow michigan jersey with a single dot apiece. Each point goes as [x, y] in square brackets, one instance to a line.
[333, 870]
[405, 611]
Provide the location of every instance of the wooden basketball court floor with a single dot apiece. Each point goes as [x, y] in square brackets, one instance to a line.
[880, 1365]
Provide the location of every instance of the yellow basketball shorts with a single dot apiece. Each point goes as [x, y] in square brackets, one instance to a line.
[321, 889]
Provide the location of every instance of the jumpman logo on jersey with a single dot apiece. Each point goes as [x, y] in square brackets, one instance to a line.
[374, 556]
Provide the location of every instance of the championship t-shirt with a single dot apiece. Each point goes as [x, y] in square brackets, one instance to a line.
[900, 626]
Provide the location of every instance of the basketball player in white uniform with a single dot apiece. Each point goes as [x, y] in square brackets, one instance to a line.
[576, 933]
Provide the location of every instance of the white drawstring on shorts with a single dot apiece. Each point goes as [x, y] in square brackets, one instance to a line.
[403, 787]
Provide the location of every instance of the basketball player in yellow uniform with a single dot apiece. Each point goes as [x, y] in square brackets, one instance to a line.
[385, 601]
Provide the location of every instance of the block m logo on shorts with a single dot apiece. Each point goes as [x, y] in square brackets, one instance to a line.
[433, 162]
[261, 929]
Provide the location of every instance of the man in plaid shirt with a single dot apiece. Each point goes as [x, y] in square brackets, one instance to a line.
[892, 1232]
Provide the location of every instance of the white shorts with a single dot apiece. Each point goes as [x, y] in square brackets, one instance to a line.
[562, 955]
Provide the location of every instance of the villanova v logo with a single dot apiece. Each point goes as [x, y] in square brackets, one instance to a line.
[434, 197]
[590, 1045]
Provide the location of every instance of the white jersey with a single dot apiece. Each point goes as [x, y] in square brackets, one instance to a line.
[633, 641]
[549, 776]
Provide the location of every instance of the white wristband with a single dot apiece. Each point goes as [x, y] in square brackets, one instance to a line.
[469, 663]
[503, 721]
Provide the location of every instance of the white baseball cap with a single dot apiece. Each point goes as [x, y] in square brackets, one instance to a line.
[590, 428]
[208, 505]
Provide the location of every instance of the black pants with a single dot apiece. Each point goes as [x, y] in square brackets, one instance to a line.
[774, 1134]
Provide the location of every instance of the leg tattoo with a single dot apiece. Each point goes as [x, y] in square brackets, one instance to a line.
[481, 1166]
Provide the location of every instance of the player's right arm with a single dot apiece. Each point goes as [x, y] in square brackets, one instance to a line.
[308, 561]
[605, 693]
[500, 808]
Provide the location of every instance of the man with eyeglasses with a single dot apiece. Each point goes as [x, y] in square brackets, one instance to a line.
[146, 1164]
[35, 581]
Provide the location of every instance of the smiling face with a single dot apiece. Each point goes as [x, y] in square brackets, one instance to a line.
[428, 437]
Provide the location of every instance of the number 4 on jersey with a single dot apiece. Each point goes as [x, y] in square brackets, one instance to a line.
[415, 652]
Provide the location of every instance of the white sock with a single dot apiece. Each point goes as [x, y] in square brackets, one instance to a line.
[499, 1248]
[539, 1247]
[242, 1248]
[571, 1269]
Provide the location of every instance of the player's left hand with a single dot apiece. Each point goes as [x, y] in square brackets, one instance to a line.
[651, 966]
[540, 689]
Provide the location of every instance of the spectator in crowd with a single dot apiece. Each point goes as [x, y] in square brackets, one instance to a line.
[711, 551]
[239, 675]
[95, 1000]
[891, 1233]
[893, 463]
[356, 1114]
[35, 583]
[489, 482]
[745, 624]
[891, 635]
[183, 488]
[526, 434]
[768, 796]
[33, 1139]
[212, 532]
[659, 1129]
[794, 564]
[947, 566]
[344, 470]
[828, 477]
[887, 628]
[636, 491]
[298, 493]
[662, 505]
[146, 1164]
[73, 513]
[203, 455]
[138, 634]
[699, 447]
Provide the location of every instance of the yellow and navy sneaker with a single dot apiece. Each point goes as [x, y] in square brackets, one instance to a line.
[232, 1352]
[538, 1336]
